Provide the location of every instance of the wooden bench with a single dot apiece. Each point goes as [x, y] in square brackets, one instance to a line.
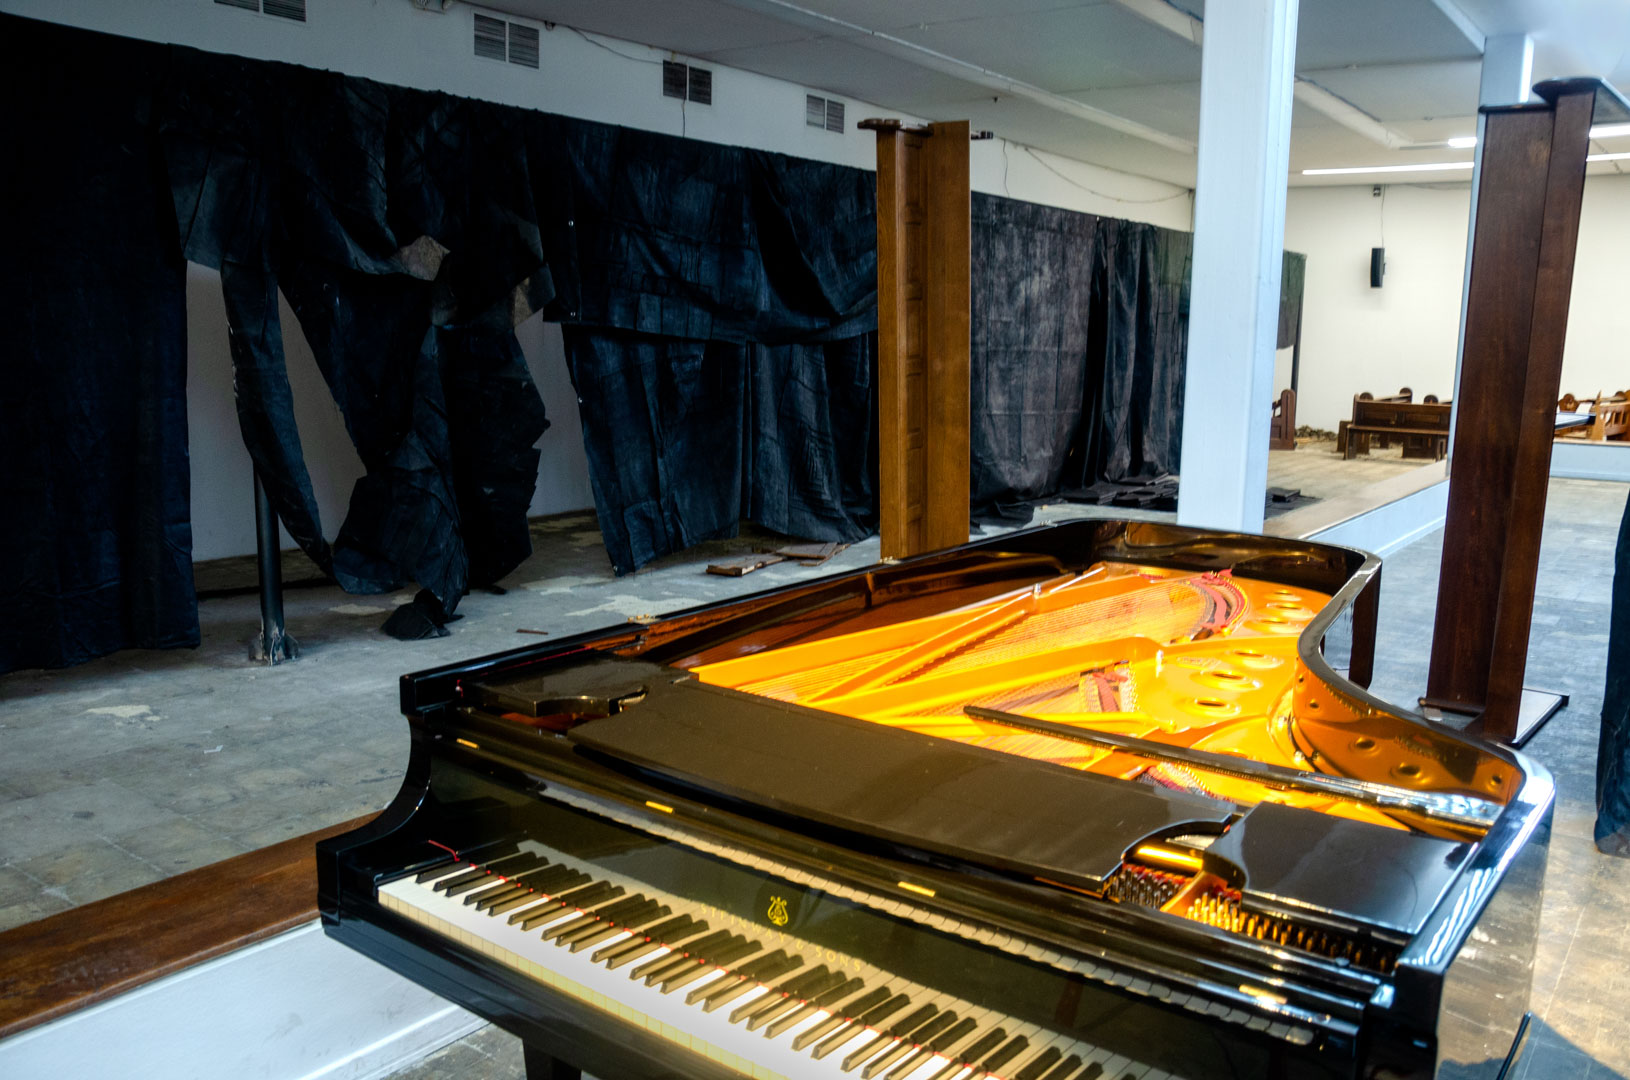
[1608, 420]
[1404, 395]
[1422, 427]
[1282, 426]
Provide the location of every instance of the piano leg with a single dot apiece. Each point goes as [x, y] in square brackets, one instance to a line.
[542, 1066]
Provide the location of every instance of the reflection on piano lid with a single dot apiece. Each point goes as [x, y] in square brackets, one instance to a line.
[1083, 801]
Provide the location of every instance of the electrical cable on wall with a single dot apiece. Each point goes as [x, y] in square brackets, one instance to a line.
[1102, 194]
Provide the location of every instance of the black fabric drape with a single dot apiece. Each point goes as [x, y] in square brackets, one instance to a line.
[1613, 750]
[690, 437]
[720, 305]
[404, 228]
[1078, 347]
[96, 554]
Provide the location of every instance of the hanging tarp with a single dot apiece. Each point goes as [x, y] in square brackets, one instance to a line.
[96, 548]
[720, 305]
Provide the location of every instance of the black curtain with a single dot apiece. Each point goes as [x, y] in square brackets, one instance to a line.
[96, 552]
[720, 306]
[685, 439]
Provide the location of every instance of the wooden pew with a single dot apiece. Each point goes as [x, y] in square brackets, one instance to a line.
[1282, 427]
[1404, 395]
[1609, 417]
[1423, 427]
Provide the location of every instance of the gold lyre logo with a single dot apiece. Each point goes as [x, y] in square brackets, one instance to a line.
[778, 911]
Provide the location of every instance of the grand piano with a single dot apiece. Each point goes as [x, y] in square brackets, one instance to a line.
[1083, 802]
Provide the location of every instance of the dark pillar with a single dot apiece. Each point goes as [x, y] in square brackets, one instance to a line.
[1525, 230]
[273, 644]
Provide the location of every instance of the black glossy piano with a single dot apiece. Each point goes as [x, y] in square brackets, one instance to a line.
[1083, 802]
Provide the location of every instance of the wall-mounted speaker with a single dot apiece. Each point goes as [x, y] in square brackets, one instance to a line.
[1378, 266]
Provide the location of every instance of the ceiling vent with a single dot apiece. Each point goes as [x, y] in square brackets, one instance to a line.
[701, 85]
[673, 79]
[293, 10]
[498, 39]
[490, 37]
[822, 112]
[687, 83]
[523, 45]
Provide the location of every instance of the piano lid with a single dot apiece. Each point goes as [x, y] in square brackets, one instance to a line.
[977, 806]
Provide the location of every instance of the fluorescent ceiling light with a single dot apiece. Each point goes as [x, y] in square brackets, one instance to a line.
[1600, 131]
[1609, 157]
[1436, 166]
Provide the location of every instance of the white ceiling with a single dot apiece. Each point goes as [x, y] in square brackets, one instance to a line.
[1409, 67]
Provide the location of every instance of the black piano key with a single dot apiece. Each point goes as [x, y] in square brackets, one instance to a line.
[503, 886]
[482, 872]
[778, 994]
[484, 899]
[815, 1001]
[867, 1049]
[885, 1039]
[652, 969]
[911, 1044]
[742, 979]
[981, 1046]
[628, 921]
[715, 996]
[593, 921]
[441, 869]
[719, 958]
[561, 933]
[569, 903]
[614, 954]
[1005, 1054]
[848, 1012]
[860, 1024]
[675, 929]
[959, 1031]
[792, 987]
[1037, 1067]
[537, 885]
[939, 1032]
[1065, 1070]
[1092, 1072]
[888, 1058]
[793, 1002]
[503, 878]
[465, 860]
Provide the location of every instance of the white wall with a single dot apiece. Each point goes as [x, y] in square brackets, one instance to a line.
[590, 77]
[1356, 338]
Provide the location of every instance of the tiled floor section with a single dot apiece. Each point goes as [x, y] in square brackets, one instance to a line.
[1316, 470]
[142, 765]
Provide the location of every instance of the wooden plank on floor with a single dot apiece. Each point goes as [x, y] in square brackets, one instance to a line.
[99, 950]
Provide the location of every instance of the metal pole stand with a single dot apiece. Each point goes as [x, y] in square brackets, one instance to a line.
[272, 645]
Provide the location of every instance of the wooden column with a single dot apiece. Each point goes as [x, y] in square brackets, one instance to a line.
[923, 259]
[1525, 230]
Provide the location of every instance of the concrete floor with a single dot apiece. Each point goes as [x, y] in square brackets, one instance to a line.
[142, 765]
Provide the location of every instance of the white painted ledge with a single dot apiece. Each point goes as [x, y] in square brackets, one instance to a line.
[1578, 459]
[298, 1006]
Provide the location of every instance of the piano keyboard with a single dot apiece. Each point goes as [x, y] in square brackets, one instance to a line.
[764, 1005]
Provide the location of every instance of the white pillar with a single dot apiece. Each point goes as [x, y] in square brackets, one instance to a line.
[1508, 68]
[1247, 70]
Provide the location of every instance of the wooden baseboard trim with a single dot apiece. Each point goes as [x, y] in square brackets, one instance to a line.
[76, 958]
